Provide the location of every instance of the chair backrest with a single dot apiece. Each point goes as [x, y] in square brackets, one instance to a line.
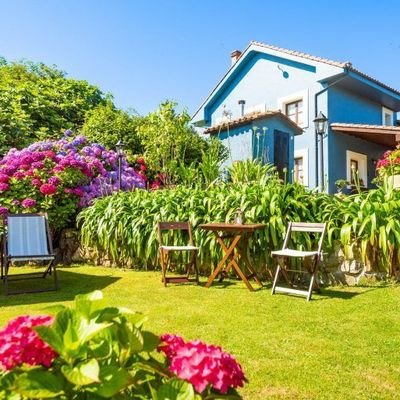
[306, 227]
[28, 235]
[174, 226]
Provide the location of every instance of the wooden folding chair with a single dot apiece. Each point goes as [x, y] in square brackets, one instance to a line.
[27, 238]
[178, 229]
[313, 258]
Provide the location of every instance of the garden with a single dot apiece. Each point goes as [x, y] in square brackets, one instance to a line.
[90, 340]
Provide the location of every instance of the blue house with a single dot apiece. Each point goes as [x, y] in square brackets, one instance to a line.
[265, 105]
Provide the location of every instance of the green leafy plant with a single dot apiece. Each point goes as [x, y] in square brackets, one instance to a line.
[93, 351]
[169, 140]
[252, 171]
[123, 226]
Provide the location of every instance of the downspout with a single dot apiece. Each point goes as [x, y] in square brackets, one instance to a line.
[346, 73]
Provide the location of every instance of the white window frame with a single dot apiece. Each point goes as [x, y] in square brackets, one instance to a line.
[362, 166]
[298, 96]
[387, 111]
[303, 153]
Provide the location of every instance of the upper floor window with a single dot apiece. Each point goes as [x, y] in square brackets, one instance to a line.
[295, 106]
[294, 111]
[387, 116]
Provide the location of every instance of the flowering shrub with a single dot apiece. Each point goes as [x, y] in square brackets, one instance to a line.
[94, 352]
[202, 365]
[59, 176]
[390, 163]
[20, 344]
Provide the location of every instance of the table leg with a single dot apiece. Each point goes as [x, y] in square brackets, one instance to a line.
[250, 268]
[228, 252]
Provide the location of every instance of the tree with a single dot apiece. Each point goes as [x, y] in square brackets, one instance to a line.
[168, 139]
[106, 125]
[38, 102]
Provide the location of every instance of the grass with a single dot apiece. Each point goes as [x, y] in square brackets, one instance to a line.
[343, 344]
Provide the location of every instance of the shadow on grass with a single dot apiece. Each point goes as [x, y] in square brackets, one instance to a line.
[70, 285]
[326, 294]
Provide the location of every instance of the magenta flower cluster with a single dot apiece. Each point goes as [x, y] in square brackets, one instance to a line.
[201, 364]
[389, 164]
[69, 167]
[20, 344]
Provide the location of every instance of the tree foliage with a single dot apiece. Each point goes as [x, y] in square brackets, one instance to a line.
[106, 125]
[39, 102]
[168, 137]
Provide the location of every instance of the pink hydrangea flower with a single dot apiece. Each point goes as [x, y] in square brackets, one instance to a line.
[4, 186]
[54, 180]
[19, 175]
[4, 178]
[202, 364]
[28, 203]
[20, 344]
[36, 182]
[48, 189]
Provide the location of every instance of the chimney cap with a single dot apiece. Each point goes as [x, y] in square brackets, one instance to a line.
[236, 53]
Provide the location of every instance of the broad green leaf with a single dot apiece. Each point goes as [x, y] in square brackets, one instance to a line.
[112, 381]
[82, 374]
[150, 341]
[176, 389]
[39, 384]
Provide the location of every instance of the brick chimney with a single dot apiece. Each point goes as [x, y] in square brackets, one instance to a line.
[235, 56]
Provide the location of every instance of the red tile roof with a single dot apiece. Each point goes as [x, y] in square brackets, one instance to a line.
[250, 118]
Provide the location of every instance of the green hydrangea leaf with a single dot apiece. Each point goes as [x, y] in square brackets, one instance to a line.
[83, 374]
[39, 384]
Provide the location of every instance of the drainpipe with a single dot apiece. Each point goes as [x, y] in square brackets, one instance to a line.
[346, 72]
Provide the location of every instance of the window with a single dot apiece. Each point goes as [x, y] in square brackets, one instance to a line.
[298, 172]
[295, 106]
[387, 116]
[300, 168]
[357, 163]
[294, 111]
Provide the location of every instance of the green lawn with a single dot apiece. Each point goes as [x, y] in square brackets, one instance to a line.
[344, 344]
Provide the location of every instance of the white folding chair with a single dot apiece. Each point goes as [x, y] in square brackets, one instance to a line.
[27, 238]
[287, 253]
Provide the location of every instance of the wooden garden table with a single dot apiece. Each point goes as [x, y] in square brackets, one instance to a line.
[233, 239]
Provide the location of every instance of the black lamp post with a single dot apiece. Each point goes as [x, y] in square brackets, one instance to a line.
[120, 152]
[320, 123]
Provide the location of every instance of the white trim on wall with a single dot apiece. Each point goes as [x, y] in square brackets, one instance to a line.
[362, 166]
[384, 112]
[303, 95]
[303, 153]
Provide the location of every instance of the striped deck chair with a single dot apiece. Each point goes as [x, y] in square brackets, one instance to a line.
[27, 238]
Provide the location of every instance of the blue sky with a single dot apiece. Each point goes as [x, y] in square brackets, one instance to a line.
[144, 52]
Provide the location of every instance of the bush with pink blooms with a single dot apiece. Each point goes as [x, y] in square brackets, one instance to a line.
[208, 368]
[59, 177]
[389, 164]
[93, 352]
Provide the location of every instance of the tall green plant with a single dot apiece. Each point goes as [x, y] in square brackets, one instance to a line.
[252, 171]
[124, 225]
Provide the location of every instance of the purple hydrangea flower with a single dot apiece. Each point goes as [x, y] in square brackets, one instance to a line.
[28, 203]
